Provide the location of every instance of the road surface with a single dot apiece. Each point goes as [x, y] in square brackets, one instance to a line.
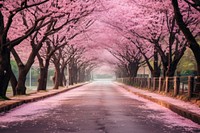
[99, 107]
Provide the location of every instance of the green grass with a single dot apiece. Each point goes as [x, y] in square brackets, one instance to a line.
[29, 90]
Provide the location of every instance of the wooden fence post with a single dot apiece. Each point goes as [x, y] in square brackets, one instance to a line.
[176, 85]
[149, 83]
[160, 83]
[137, 82]
[154, 83]
[145, 82]
[190, 86]
[167, 84]
[141, 83]
[132, 81]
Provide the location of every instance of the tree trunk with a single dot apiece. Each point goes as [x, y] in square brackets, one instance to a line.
[62, 76]
[5, 71]
[170, 72]
[23, 71]
[21, 87]
[79, 75]
[82, 75]
[75, 74]
[57, 77]
[13, 82]
[71, 76]
[5, 67]
[42, 81]
[133, 69]
[156, 69]
[173, 65]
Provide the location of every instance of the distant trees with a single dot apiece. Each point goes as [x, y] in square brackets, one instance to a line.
[187, 64]
[129, 57]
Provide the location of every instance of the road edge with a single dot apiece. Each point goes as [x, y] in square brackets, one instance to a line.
[179, 110]
[13, 103]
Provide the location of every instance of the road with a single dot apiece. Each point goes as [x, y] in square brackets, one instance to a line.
[99, 107]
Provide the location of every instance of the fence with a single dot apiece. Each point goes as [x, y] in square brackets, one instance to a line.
[187, 86]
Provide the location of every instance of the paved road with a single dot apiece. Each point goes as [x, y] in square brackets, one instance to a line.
[99, 107]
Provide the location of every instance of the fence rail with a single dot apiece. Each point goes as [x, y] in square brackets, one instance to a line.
[188, 86]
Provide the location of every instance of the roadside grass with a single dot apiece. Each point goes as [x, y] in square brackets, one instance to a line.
[29, 90]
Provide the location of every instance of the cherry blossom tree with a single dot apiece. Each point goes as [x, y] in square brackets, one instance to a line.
[9, 12]
[159, 28]
[58, 21]
[129, 55]
[86, 64]
[156, 32]
[85, 67]
[73, 64]
[60, 60]
[187, 30]
[194, 3]
[149, 54]
[75, 59]
[81, 65]
[44, 57]
[58, 42]
[37, 20]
